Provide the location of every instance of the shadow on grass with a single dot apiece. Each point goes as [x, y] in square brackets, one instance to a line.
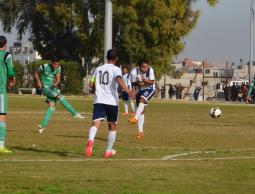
[59, 153]
[84, 137]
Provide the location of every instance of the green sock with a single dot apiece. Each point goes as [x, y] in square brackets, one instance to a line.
[47, 117]
[67, 106]
[2, 133]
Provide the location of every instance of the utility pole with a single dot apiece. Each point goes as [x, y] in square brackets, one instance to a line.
[107, 27]
[250, 68]
[203, 82]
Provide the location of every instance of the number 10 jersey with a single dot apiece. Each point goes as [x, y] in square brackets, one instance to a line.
[106, 85]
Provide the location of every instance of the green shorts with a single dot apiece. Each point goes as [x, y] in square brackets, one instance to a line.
[3, 103]
[51, 93]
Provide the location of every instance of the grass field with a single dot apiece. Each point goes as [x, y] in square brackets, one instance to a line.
[184, 151]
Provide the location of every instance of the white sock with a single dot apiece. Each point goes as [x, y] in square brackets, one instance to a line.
[92, 133]
[1, 144]
[111, 140]
[126, 107]
[132, 106]
[140, 123]
[139, 110]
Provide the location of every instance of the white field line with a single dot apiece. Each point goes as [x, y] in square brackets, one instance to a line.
[169, 157]
[128, 159]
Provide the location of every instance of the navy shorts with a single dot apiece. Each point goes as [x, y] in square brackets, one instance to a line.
[124, 96]
[104, 110]
[145, 94]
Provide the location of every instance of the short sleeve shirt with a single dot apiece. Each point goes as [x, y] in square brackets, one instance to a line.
[106, 85]
[48, 74]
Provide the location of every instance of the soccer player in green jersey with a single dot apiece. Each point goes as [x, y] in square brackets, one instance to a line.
[6, 71]
[250, 91]
[48, 78]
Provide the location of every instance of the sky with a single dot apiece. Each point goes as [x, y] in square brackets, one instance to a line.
[222, 32]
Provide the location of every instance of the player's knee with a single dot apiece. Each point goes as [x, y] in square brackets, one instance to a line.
[142, 100]
[112, 126]
[60, 97]
[52, 108]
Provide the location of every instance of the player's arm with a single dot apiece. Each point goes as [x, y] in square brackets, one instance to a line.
[92, 83]
[10, 71]
[37, 78]
[124, 87]
[57, 80]
[146, 82]
[150, 80]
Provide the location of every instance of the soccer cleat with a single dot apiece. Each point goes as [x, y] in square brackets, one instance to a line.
[5, 151]
[140, 135]
[125, 114]
[40, 129]
[132, 120]
[78, 116]
[110, 153]
[89, 147]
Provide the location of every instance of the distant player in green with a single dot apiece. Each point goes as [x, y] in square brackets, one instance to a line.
[48, 77]
[6, 71]
[250, 91]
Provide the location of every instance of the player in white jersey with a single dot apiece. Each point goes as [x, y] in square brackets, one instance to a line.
[126, 99]
[105, 81]
[143, 78]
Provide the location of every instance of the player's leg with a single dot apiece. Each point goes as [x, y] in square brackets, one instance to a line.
[142, 97]
[112, 117]
[140, 125]
[125, 99]
[47, 115]
[3, 112]
[68, 107]
[125, 108]
[98, 117]
[132, 107]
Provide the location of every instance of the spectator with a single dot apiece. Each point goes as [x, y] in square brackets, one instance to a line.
[171, 91]
[196, 93]
[226, 93]
[163, 92]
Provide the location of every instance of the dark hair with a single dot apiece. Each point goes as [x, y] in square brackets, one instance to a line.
[55, 59]
[3, 41]
[112, 54]
[142, 61]
[125, 67]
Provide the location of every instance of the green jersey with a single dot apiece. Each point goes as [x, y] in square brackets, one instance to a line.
[48, 75]
[6, 70]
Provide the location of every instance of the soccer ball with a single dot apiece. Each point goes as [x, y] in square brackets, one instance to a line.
[215, 112]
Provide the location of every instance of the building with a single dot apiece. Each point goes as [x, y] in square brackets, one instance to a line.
[210, 77]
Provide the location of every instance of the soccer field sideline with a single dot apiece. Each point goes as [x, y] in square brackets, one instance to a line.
[173, 157]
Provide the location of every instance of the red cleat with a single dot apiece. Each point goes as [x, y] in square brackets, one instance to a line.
[110, 153]
[125, 114]
[89, 148]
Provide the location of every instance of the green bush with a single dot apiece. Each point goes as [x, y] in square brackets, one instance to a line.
[71, 76]
[19, 73]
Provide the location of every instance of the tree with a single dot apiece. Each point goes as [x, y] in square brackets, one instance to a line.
[153, 29]
[58, 27]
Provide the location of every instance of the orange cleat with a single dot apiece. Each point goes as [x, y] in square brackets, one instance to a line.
[110, 153]
[132, 120]
[125, 114]
[89, 148]
[140, 135]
